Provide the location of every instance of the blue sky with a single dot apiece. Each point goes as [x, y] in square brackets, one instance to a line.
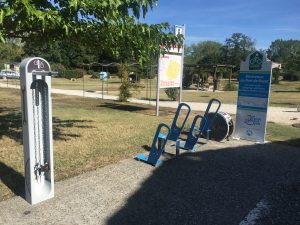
[262, 20]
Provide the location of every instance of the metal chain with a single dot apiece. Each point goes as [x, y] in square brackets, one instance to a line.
[34, 123]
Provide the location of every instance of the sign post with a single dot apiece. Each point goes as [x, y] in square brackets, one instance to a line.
[253, 97]
[170, 68]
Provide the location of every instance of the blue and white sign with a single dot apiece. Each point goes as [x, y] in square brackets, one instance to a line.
[253, 97]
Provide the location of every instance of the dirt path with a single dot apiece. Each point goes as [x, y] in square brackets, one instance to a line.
[280, 115]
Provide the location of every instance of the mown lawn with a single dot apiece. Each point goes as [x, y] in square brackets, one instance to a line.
[285, 94]
[88, 134]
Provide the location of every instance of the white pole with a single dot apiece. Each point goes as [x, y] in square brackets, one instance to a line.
[157, 89]
[182, 63]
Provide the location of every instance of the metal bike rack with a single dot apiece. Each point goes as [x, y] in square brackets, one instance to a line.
[35, 75]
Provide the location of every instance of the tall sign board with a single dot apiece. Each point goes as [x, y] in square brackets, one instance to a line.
[253, 97]
[170, 67]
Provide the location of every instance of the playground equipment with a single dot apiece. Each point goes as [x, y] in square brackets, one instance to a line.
[157, 148]
[37, 129]
[222, 126]
[177, 129]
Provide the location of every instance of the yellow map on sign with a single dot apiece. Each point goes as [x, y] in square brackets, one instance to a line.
[173, 70]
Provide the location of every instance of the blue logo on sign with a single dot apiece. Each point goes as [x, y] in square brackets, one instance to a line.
[252, 120]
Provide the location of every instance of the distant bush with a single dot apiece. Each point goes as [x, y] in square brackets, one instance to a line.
[187, 78]
[292, 75]
[57, 67]
[69, 74]
[80, 72]
[124, 91]
[172, 93]
[230, 87]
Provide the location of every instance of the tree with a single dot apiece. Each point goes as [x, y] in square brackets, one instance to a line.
[286, 52]
[237, 47]
[206, 52]
[10, 52]
[106, 26]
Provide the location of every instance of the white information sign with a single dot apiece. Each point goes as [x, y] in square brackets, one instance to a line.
[253, 97]
[170, 68]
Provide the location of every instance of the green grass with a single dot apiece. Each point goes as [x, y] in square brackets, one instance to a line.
[88, 134]
[283, 133]
[285, 94]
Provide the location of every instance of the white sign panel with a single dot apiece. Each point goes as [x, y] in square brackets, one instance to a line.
[170, 68]
[253, 97]
[171, 65]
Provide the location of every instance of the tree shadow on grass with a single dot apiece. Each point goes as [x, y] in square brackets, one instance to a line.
[12, 179]
[11, 125]
[123, 107]
[213, 187]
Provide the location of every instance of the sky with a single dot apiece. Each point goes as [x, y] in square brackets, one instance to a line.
[262, 20]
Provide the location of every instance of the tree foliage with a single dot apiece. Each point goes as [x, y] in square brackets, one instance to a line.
[107, 26]
[206, 52]
[237, 47]
[10, 52]
[286, 52]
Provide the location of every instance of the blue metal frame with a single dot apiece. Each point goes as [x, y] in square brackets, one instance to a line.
[192, 139]
[210, 122]
[157, 148]
[175, 130]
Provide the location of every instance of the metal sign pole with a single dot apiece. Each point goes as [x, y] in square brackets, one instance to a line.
[182, 63]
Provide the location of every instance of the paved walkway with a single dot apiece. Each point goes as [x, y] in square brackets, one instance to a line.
[281, 115]
[225, 183]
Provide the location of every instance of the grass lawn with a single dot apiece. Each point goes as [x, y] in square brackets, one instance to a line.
[88, 134]
[286, 94]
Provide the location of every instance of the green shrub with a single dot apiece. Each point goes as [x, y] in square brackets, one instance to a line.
[230, 87]
[57, 67]
[90, 72]
[187, 80]
[69, 74]
[172, 93]
[292, 75]
[80, 72]
[124, 92]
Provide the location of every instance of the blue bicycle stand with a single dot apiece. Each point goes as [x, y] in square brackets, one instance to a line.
[194, 134]
[204, 128]
[176, 130]
[157, 148]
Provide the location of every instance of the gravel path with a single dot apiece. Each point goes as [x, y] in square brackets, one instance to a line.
[280, 115]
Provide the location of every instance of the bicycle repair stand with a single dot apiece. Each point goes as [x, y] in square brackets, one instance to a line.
[157, 148]
[35, 75]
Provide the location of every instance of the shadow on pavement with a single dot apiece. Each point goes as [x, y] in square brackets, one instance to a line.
[210, 187]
